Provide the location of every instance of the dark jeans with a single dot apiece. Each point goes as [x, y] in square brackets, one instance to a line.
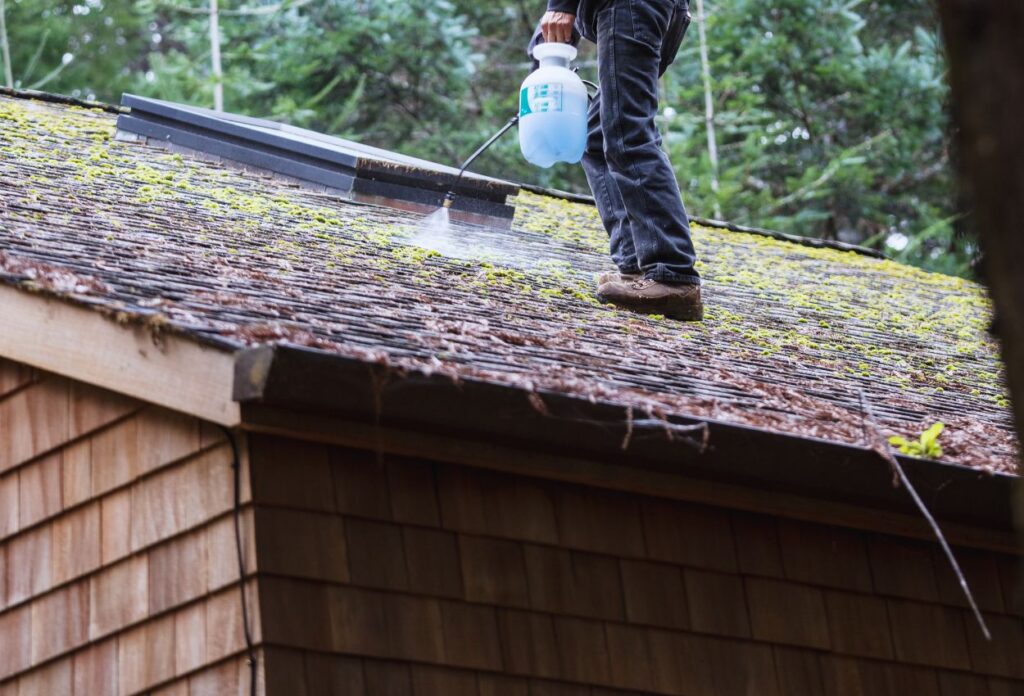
[629, 173]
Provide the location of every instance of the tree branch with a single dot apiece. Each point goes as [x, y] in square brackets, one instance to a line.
[876, 441]
[830, 171]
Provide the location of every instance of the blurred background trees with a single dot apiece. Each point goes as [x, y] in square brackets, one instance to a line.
[831, 116]
[832, 121]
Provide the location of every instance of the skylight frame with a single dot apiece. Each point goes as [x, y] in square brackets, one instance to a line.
[352, 169]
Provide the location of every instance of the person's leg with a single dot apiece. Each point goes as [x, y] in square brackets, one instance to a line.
[607, 196]
[632, 37]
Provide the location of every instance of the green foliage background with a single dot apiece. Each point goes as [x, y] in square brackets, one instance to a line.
[831, 115]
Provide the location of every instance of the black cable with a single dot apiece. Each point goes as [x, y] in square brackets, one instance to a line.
[236, 467]
[450, 196]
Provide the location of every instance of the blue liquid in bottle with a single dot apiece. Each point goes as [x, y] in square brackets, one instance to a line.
[553, 109]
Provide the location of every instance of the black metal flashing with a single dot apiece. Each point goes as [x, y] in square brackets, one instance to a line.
[343, 165]
[303, 379]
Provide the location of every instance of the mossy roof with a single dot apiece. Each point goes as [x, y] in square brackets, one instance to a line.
[794, 335]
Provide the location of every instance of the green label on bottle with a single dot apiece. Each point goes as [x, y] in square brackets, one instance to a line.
[539, 99]
[524, 102]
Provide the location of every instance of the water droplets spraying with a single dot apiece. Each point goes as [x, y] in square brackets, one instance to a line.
[435, 233]
[501, 246]
[438, 222]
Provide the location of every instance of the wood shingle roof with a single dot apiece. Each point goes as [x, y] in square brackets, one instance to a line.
[796, 337]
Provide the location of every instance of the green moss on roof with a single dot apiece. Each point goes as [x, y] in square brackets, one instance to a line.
[793, 333]
[853, 309]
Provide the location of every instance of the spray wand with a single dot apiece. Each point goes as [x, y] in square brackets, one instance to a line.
[449, 197]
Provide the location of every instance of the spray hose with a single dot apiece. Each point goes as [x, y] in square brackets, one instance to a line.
[449, 197]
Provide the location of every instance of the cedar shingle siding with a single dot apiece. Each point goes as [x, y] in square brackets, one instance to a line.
[377, 575]
[486, 583]
[117, 553]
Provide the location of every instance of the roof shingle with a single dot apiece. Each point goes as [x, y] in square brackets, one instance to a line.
[794, 334]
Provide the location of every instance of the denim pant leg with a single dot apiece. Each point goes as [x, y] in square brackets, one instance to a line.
[606, 194]
[632, 36]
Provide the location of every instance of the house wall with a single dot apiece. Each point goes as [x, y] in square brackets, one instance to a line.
[118, 565]
[382, 575]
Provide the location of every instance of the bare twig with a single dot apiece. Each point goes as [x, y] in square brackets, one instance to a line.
[672, 429]
[538, 404]
[920, 175]
[215, 64]
[34, 60]
[879, 445]
[709, 108]
[629, 428]
[50, 76]
[243, 12]
[632, 425]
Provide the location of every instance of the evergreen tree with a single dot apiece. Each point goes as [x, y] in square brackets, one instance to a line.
[830, 124]
[86, 48]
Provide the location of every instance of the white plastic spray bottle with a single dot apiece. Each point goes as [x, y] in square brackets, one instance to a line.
[553, 108]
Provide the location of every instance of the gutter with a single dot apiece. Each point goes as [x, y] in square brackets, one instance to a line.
[315, 382]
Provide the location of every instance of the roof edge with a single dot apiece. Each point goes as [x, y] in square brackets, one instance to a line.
[306, 380]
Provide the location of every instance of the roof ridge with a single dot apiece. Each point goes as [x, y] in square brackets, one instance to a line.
[725, 225]
[54, 98]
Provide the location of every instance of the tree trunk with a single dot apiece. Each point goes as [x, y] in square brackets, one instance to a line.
[5, 48]
[218, 73]
[985, 45]
[709, 105]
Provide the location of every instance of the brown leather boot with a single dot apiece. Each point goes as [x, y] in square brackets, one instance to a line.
[651, 297]
[613, 276]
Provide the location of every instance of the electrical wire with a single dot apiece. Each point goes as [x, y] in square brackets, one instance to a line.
[236, 468]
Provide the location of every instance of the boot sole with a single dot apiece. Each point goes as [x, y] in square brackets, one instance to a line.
[661, 306]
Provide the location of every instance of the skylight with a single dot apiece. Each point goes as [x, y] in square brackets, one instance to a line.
[348, 168]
